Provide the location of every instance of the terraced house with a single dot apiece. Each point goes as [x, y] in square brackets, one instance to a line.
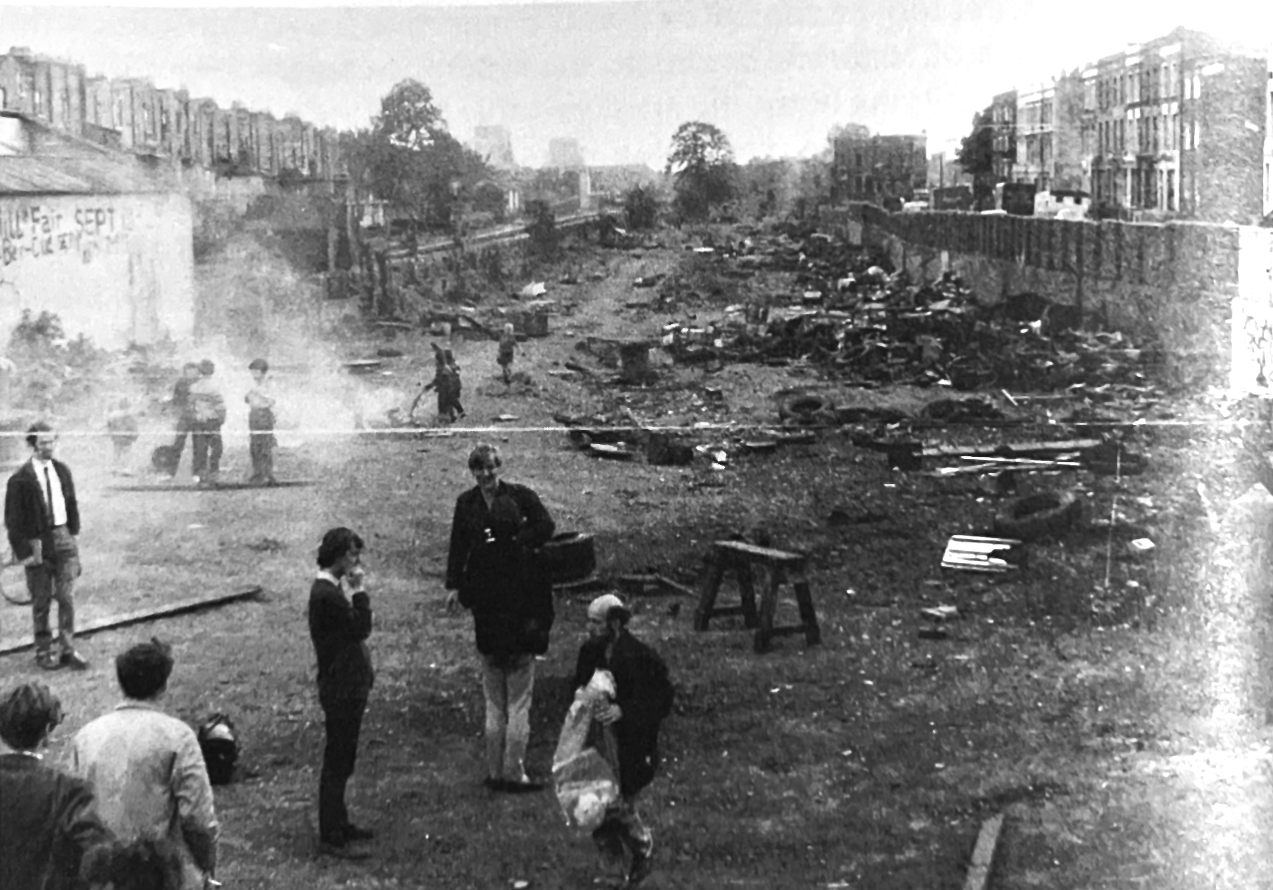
[163, 125]
[1173, 128]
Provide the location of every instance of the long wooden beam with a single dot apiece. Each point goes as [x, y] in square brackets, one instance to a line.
[176, 607]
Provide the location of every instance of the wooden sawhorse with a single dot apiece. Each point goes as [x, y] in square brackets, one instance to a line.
[738, 557]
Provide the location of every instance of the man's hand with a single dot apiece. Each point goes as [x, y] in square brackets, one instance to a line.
[607, 714]
[452, 602]
[356, 577]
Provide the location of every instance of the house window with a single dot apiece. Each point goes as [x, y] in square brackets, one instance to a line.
[1197, 85]
[4, 98]
[1197, 134]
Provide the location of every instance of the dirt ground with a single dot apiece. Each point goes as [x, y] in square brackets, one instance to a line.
[1114, 707]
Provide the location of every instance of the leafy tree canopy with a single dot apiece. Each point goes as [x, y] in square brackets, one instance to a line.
[409, 118]
[697, 146]
[702, 166]
[977, 150]
[408, 157]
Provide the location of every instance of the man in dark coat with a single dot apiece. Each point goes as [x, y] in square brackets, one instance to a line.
[42, 517]
[339, 627]
[493, 568]
[510, 594]
[642, 700]
[47, 820]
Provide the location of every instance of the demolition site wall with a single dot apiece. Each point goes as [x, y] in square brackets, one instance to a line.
[1201, 291]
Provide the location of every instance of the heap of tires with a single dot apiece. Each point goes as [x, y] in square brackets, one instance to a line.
[1045, 514]
[806, 409]
[570, 556]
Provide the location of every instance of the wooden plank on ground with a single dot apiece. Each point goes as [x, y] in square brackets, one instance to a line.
[220, 486]
[983, 854]
[176, 607]
[1003, 449]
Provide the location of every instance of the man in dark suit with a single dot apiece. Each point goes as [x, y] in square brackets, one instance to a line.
[47, 822]
[339, 627]
[42, 517]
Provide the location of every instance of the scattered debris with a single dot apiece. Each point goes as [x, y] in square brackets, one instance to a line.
[980, 554]
[1044, 514]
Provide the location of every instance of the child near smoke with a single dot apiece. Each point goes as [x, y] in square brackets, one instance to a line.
[261, 439]
[121, 423]
[507, 345]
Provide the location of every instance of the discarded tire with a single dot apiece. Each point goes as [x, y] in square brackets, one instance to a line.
[804, 408]
[570, 556]
[1037, 516]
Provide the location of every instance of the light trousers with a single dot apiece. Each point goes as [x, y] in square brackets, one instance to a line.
[508, 685]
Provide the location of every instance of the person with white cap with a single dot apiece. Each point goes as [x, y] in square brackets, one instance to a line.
[642, 700]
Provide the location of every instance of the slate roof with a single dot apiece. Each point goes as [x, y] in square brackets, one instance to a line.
[62, 165]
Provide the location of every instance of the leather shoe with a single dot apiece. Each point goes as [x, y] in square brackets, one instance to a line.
[525, 786]
[73, 659]
[354, 833]
[47, 661]
[342, 850]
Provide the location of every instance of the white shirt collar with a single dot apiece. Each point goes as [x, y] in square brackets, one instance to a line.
[325, 575]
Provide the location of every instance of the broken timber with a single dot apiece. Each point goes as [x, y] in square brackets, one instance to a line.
[176, 607]
[977, 554]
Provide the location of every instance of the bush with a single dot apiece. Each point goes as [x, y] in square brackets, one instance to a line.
[641, 207]
[542, 229]
[51, 371]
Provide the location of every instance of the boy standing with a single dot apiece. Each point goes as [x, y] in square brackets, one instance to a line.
[507, 345]
[207, 409]
[260, 425]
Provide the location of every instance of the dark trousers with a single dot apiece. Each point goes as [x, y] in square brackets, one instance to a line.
[261, 448]
[206, 445]
[343, 722]
[53, 581]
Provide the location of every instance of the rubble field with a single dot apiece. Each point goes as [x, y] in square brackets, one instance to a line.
[1038, 569]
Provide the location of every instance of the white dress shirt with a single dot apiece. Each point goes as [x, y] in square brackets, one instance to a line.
[51, 485]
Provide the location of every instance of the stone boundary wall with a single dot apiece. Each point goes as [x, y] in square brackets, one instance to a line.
[1172, 285]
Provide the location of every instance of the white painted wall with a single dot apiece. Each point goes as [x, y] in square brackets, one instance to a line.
[117, 268]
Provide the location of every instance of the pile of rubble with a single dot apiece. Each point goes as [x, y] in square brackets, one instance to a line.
[863, 323]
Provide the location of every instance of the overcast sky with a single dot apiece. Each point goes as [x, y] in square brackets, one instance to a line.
[621, 76]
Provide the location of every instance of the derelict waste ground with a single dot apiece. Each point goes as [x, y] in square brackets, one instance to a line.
[1113, 705]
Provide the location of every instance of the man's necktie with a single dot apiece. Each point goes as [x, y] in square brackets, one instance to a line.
[48, 493]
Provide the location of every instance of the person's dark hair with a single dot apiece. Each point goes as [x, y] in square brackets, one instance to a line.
[144, 669]
[259, 364]
[34, 430]
[145, 863]
[481, 453]
[336, 543]
[27, 715]
[207, 367]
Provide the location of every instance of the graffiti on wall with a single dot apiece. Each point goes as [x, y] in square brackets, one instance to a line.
[36, 231]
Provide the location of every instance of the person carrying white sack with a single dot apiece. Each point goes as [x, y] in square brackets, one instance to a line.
[641, 700]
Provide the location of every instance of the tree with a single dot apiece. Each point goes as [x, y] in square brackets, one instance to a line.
[701, 164]
[408, 158]
[641, 207]
[409, 118]
[977, 156]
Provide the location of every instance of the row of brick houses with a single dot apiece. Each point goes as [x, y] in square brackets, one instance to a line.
[1176, 127]
[134, 115]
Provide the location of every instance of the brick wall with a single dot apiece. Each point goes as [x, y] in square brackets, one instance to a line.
[1170, 285]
